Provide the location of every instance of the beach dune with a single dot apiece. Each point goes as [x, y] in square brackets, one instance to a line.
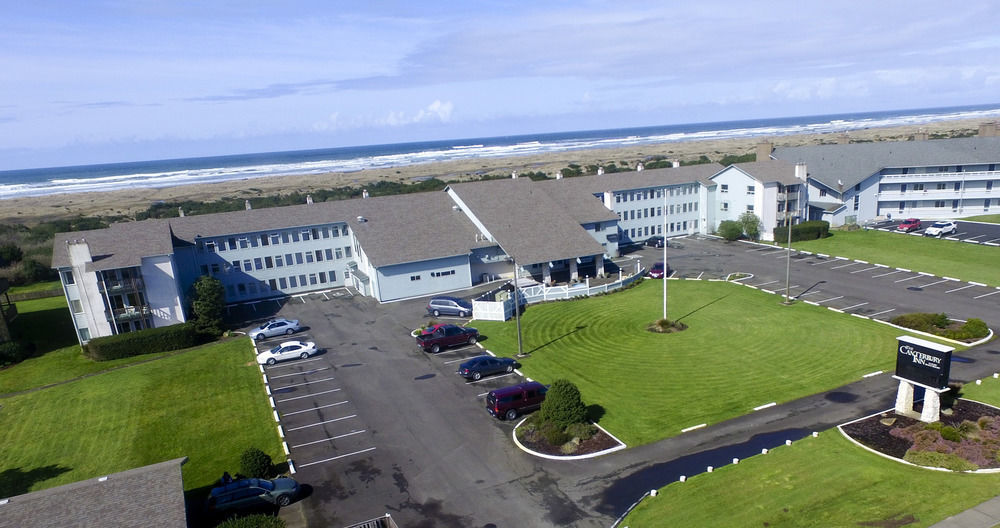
[30, 211]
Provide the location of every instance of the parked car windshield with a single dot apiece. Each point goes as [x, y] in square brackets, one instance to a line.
[266, 484]
[940, 224]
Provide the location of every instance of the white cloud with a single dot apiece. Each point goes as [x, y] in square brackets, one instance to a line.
[435, 112]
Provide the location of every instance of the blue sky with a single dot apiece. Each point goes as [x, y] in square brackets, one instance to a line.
[125, 80]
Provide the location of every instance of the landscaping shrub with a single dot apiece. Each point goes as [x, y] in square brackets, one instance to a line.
[208, 304]
[972, 329]
[805, 231]
[583, 431]
[951, 434]
[14, 352]
[554, 434]
[257, 520]
[935, 459]
[164, 339]
[255, 463]
[563, 405]
[730, 230]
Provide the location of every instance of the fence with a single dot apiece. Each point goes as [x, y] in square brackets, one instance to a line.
[501, 310]
[378, 522]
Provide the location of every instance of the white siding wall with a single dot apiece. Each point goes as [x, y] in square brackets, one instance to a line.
[162, 295]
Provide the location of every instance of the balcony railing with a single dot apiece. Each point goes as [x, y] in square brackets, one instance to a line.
[116, 286]
[130, 312]
[942, 176]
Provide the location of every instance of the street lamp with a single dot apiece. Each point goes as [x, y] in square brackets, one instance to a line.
[517, 309]
[665, 267]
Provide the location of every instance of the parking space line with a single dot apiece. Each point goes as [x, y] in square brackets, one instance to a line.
[853, 307]
[481, 395]
[299, 362]
[348, 417]
[975, 237]
[338, 437]
[306, 373]
[992, 241]
[962, 288]
[808, 294]
[782, 251]
[890, 273]
[866, 269]
[762, 248]
[932, 284]
[784, 254]
[493, 378]
[910, 278]
[301, 384]
[764, 283]
[307, 395]
[459, 359]
[822, 262]
[336, 457]
[882, 312]
[315, 408]
[845, 265]
[830, 299]
[988, 294]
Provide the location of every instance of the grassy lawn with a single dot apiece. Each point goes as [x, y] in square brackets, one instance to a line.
[947, 258]
[46, 323]
[825, 481]
[743, 349]
[38, 286]
[993, 219]
[207, 404]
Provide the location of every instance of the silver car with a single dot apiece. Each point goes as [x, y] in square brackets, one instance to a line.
[275, 327]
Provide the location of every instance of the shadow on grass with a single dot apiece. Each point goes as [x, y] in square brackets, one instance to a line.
[17, 481]
[567, 334]
[700, 308]
[48, 330]
[595, 412]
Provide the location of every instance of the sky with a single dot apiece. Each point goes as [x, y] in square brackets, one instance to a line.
[128, 80]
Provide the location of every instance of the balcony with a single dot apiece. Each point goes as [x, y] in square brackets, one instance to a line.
[938, 194]
[940, 177]
[129, 313]
[119, 286]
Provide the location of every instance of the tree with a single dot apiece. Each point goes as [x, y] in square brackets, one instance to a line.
[730, 230]
[255, 463]
[751, 225]
[207, 305]
[563, 406]
[9, 254]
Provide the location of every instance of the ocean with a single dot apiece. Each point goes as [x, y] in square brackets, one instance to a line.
[167, 173]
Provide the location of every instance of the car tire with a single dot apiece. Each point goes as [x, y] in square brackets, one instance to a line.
[289, 331]
[436, 313]
[435, 349]
[258, 337]
[472, 340]
[510, 414]
[272, 361]
[283, 500]
[462, 313]
[304, 355]
[476, 376]
[510, 368]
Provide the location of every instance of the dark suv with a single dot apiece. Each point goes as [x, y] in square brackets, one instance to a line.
[508, 402]
[251, 493]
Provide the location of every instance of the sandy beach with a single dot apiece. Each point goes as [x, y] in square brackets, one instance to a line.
[32, 210]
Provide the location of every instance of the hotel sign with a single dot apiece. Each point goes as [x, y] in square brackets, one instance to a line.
[923, 362]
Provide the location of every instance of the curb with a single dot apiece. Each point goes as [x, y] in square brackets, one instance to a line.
[621, 445]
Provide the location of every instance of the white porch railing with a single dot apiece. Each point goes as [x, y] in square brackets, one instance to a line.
[503, 310]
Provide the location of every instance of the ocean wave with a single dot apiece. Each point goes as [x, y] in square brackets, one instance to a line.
[165, 173]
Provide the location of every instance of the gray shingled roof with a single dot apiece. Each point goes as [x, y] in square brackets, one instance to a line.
[769, 171]
[853, 163]
[120, 246]
[527, 222]
[147, 496]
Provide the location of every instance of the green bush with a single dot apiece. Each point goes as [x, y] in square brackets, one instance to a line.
[257, 520]
[942, 460]
[583, 431]
[805, 231]
[951, 434]
[554, 434]
[14, 352]
[972, 329]
[152, 340]
[255, 463]
[924, 322]
[730, 230]
[563, 405]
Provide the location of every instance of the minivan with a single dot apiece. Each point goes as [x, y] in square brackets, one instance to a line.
[508, 402]
[449, 306]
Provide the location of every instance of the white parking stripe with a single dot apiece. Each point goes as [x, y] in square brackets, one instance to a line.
[493, 378]
[975, 237]
[345, 435]
[306, 373]
[987, 294]
[810, 293]
[883, 312]
[962, 288]
[292, 364]
[276, 389]
[315, 408]
[322, 423]
[822, 262]
[459, 359]
[760, 248]
[765, 283]
[853, 307]
[890, 273]
[992, 241]
[866, 269]
[307, 395]
[336, 457]
[782, 251]
[845, 265]
[910, 278]
[830, 299]
[932, 284]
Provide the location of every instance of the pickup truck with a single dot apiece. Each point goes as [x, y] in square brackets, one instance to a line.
[445, 336]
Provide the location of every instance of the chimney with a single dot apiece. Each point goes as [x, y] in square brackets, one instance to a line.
[764, 149]
[988, 129]
[639, 167]
[180, 212]
[309, 199]
[246, 203]
[559, 175]
[800, 171]
[600, 171]
[364, 193]
[920, 135]
[513, 175]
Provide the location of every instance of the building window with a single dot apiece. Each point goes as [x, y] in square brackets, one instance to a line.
[319, 255]
[414, 277]
[918, 187]
[279, 261]
[76, 305]
[288, 259]
[268, 262]
[958, 186]
[264, 240]
[294, 283]
[724, 206]
[204, 269]
[302, 280]
[298, 258]
[282, 282]
[329, 254]
[939, 203]
[857, 200]
[822, 192]
[335, 231]
[273, 284]
[333, 276]
[989, 185]
[671, 209]
[724, 188]
[857, 187]
[942, 186]
[902, 205]
[347, 251]
[659, 211]
[309, 257]
[326, 232]
[236, 265]
[343, 230]
[315, 233]
[618, 198]
[284, 237]
[659, 229]
[685, 225]
[67, 277]
[215, 268]
[750, 189]
[339, 253]
[242, 288]
[210, 246]
[749, 208]
[954, 205]
[322, 277]
[275, 239]
[84, 334]
[986, 205]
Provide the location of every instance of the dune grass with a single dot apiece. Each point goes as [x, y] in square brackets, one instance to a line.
[206, 403]
[946, 258]
[824, 481]
[742, 349]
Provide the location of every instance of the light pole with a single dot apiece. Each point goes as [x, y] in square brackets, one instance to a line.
[517, 309]
[788, 249]
[665, 267]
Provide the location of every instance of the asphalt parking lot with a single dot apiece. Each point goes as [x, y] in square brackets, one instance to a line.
[971, 232]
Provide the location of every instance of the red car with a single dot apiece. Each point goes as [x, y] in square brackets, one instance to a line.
[659, 270]
[910, 224]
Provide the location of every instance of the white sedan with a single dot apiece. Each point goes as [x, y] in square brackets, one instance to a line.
[941, 228]
[286, 350]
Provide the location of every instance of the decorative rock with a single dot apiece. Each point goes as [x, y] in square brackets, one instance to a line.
[763, 451]
[709, 469]
[736, 461]
[887, 421]
[815, 434]
[979, 382]
[788, 442]
[652, 493]
[683, 478]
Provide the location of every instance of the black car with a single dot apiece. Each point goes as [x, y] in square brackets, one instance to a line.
[655, 241]
[480, 366]
[252, 493]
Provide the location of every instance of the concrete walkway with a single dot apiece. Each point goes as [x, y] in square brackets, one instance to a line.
[986, 515]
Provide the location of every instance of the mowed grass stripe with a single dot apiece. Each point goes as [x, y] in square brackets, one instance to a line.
[742, 348]
[206, 404]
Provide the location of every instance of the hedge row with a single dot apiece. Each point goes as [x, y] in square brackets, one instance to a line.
[14, 352]
[805, 231]
[149, 341]
[938, 324]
